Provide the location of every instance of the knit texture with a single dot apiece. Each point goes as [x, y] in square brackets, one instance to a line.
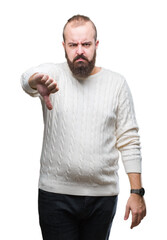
[91, 121]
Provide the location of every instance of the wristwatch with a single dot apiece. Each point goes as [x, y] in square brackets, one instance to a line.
[140, 192]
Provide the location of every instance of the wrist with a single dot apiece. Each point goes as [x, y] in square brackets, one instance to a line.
[140, 191]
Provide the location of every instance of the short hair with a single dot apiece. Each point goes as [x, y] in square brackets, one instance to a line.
[80, 19]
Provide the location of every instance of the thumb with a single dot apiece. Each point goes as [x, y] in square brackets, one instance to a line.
[127, 212]
[47, 102]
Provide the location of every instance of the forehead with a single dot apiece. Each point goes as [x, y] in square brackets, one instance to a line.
[76, 31]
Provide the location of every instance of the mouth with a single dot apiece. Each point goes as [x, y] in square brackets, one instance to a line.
[80, 60]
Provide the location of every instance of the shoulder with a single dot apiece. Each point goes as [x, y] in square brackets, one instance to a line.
[113, 74]
[46, 67]
[115, 77]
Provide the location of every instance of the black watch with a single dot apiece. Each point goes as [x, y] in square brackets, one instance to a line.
[140, 192]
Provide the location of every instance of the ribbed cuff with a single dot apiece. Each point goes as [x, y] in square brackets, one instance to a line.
[133, 166]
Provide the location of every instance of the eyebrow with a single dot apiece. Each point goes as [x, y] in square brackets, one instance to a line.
[88, 42]
[72, 43]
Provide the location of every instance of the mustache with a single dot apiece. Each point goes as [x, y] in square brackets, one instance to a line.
[80, 56]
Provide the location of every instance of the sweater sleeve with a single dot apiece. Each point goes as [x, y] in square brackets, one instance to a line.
[128, 140]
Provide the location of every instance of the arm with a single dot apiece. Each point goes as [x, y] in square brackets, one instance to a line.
[128, 143]
[136, 204]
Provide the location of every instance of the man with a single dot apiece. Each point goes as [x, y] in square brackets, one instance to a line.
[87, 121]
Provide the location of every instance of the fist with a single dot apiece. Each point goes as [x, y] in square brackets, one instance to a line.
[45, 86]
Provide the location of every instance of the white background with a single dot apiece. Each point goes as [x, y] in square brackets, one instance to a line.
[133, 42]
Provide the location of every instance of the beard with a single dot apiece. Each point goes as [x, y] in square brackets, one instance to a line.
[81, 69]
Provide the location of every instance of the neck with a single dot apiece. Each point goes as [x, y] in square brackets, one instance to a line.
[95, 70]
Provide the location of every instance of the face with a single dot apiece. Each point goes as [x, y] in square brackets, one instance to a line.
[80, 48]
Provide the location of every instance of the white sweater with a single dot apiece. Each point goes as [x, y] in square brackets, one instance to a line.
[91, 121]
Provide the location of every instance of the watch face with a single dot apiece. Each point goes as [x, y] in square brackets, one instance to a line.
[142, 191]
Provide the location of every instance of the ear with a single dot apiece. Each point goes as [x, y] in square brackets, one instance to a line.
[63, 43]
[97, 44]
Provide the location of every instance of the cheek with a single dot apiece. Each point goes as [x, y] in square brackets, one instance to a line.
[71, 54]
[90, 54]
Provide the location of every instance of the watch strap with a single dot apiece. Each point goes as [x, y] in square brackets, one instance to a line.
[140, 191]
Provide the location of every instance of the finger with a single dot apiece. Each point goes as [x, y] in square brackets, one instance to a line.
[48, 102]
[54, 90]
[52, 86]
[44, 78]
[143, 214]
[136, 219]
[38, 76]
[49, 81]
[127, 212]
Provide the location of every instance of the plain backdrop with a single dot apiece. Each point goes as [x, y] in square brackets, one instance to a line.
[133, 42]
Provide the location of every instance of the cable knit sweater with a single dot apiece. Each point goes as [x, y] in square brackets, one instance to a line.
[91, 121]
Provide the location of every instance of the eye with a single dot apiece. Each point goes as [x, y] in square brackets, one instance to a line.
[86, 44]
[72, 45]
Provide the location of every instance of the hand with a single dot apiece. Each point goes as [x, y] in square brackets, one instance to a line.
[136, 205]
[45, 86]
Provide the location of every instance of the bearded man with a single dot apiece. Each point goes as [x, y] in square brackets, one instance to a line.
[88, 120]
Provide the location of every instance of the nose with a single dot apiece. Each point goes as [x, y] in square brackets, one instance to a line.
[80, 49]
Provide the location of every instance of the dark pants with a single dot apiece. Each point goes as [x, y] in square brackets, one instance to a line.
[67, 217]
